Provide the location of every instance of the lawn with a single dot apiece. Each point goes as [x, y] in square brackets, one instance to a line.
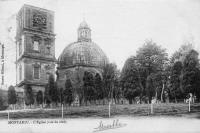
[163, 109]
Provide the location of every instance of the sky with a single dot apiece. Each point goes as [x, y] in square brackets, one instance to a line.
[119, 27]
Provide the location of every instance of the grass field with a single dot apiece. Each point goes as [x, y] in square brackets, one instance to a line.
[170, 109]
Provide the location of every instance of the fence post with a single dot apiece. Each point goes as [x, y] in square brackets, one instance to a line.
[8, 115]
[62, 111]
[189, 105]
[109, 109]
[24, 105]
[151, 108]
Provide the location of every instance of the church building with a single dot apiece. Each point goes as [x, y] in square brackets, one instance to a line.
[78, 57]
[35, 53]
[35, 48]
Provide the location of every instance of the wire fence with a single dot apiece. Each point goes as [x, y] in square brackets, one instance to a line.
[108, 110]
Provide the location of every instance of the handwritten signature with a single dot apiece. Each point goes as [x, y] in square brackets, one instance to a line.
[113, 125]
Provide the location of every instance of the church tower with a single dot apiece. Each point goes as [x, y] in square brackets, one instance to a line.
[35, 48]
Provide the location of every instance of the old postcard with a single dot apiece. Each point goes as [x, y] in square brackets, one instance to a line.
[99, 66]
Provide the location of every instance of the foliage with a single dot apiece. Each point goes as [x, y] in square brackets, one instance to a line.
[1, 103]
[52, 88]
[89, 86]
[68, 92]
[110, 75]
[46, 95]
[117, 92]
[129, 80]
[60, 94]
[98, 87]
[39, 97]
[176, 90]
[29, 99]
[152, 60]
[12, 97]
[3, 99]
[191, 83]
[146, 71]
[181, 53]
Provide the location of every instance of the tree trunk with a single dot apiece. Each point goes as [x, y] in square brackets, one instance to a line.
[156, 93]
[150, 98]
[140, 84]
[130, 101]
[162, 92]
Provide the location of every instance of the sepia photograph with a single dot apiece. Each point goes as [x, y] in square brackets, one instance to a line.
[86, 66]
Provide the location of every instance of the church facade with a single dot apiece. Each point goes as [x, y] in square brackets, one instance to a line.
[35, 48]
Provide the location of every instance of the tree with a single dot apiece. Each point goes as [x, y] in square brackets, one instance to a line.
[29, 99]
[39, 97]
[68, 92]
[181, 53]
[146, 71]
[191, 70]
[61, 96]
[3, 99]
[98, 87]
[110, 74]
[53, 92]
[1, 102]
[12, 97]
[117, 93]
[151, 59]
[175, 81]
[184, 72]
[89, 87]
[129, 80]
[46, 95]
[157, 84]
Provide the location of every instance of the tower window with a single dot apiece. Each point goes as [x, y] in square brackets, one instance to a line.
[48, 50]
[36, 72]
[36, 45]
[48, 46]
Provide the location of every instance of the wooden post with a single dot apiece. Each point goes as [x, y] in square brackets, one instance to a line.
[62, 111]
[109, 109]
[151, 108]
[8, 115]
[189, 105]
[24, 105]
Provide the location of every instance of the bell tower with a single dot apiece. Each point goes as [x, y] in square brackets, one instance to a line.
[35, 47]
[84, 32]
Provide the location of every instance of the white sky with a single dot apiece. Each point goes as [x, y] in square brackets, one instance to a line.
[119, 27]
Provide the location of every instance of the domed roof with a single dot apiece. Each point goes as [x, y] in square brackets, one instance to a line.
[82, 54]
[83, 25]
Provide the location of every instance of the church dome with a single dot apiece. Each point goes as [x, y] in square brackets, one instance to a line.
[84, 52]
[83, 25]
